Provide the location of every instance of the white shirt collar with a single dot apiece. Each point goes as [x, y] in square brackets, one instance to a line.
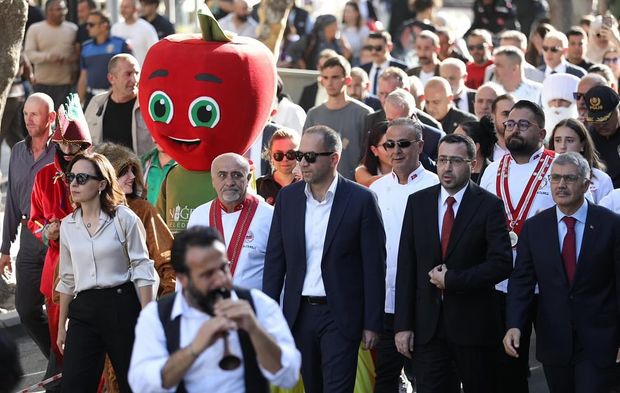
[560, 68]
[383, 65]
[580, 215]
[415, 175]
[458, 196]
[330, 191]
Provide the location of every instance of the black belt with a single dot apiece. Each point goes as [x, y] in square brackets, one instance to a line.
[315, 300]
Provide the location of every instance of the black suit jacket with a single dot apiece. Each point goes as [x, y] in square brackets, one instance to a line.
[392, 63]
[589, 307]
[415, 71]
[353, 265]
[478, 257]
[570, 69]
[454, 118]
[308, 96]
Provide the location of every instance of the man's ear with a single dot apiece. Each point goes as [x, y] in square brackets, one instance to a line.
[348, 80]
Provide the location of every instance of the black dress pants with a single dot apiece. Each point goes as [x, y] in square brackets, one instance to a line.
[100, 321]
[389, 362]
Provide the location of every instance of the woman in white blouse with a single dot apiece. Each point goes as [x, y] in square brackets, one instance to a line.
[100, 270]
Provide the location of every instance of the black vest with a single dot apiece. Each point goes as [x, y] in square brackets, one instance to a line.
[253, 378]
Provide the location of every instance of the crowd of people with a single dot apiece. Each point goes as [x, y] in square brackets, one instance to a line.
[426, 204]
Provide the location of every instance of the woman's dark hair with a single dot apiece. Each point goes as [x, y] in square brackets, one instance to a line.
[532, 55]
[358, 21]
[483, 133]
[370, 161]
[196, 236]
[112, 195]
[589, 151]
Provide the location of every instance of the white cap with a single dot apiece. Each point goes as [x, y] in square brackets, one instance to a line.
[559, 86]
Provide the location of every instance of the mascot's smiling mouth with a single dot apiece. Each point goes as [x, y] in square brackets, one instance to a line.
[186, 145]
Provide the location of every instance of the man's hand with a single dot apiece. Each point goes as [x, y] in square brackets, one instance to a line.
[618, 356]
[511, 342]
[370, 339]
[5, 264]
[211, 331]
[404, 343]
[60, 339]
[438, 276]
[52, 230]
[239, 311]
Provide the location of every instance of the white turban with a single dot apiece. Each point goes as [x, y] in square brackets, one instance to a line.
[559, 86]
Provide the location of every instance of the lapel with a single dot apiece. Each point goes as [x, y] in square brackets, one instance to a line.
[298, 221]
[587, 241]
[469, 206]
[341, 200]
[550, 227]
[433, 221]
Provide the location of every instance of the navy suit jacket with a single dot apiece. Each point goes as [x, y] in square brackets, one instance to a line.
[570, 69]
[588, 307]
[353, 265]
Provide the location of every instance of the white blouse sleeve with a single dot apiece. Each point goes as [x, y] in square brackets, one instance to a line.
[142, 268]
[66, 284]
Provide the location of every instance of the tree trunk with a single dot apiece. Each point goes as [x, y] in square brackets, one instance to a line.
[273, 15]
[566, 13]
[12, 21]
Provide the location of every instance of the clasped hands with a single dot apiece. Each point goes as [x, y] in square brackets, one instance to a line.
[438, 276]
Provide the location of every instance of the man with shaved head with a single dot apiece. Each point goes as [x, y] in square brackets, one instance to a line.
[485, 95]
[455, 72]
[241, 218]
[438, 94]
[585, 84]
[27, 158]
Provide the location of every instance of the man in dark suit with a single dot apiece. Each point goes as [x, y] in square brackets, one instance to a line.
[572, 250]
[427, 50]
[380, 44]
[394, 78]
[327, 249]
[313, 94]
[555, 47]
[455, 234]
[455, 72]
[439, 104]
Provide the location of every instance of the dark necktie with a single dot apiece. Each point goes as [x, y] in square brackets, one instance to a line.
[553, 72]
[375, 80]
[456, 101]
[446, 228]
[569, 248]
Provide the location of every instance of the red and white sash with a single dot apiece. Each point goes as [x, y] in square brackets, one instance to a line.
[248, 208]
[516, 216]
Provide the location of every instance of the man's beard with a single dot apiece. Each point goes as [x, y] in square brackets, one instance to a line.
[243, 18]
[519, 146]
[206, 302]
[64, 164]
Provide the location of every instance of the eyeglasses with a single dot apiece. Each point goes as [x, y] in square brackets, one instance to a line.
[615, 60]
[552, 49]
[568, 179]
[81, 178]
[310, 156]
[456, 161]
[578, 96]
[475, 47]
[522, 125]
[279, 155]
[375, 48]
[403, 144]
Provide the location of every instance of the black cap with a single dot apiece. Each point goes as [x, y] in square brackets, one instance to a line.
[601, 101]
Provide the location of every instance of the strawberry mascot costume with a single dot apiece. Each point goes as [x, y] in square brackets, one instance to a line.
[203, 95]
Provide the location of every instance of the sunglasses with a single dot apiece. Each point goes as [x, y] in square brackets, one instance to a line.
[310, 156]
[403, 144]
[475, 47]
[279, 155]
[91, 24]
[552, 49]
[578, 96]
[375, 48]
[615, 60]
[82, 178]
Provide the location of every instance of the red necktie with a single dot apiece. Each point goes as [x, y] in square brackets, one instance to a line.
[569, 248]
[446, 228]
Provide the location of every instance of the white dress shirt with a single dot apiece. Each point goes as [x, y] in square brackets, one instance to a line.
[150, 353]
[317, 218]
[426, 76]
[580, 215]
[251, 263]
[100, 261]
[392, 198]
[374, 70]
[612, 201]
[560, 69]
[443, 205]
[463, 102]
[518, 176]
[528, 90]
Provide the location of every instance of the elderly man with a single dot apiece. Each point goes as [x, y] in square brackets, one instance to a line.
[381, 44]
[585, 84]
[454, 71]
[178, 338]
[558, 101]
[483, 100]
[27, 159]
[555, 47]
[139, 33]
[571, 251]
[604, 121]
[427, 50]
[439, 104]
[50, 46]
[509, 73]
[241, 218]
[115, 116]
[480, 46]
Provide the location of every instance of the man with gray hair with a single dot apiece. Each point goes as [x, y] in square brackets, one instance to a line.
[555, 46]
[571, 251]
[404, 142]
[509, 63]
[517, 40]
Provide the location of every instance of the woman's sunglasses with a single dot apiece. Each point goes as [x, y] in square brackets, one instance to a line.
[81, 178]
[279, 155]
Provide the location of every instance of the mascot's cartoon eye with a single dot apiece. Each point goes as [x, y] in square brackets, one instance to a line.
[204, 112]
[160, 107]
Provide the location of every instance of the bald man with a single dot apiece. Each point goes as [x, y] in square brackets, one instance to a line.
[483, 101]
[27, 158]
[585, 84]
[438, 94]
[455, 72]
[243, 220]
